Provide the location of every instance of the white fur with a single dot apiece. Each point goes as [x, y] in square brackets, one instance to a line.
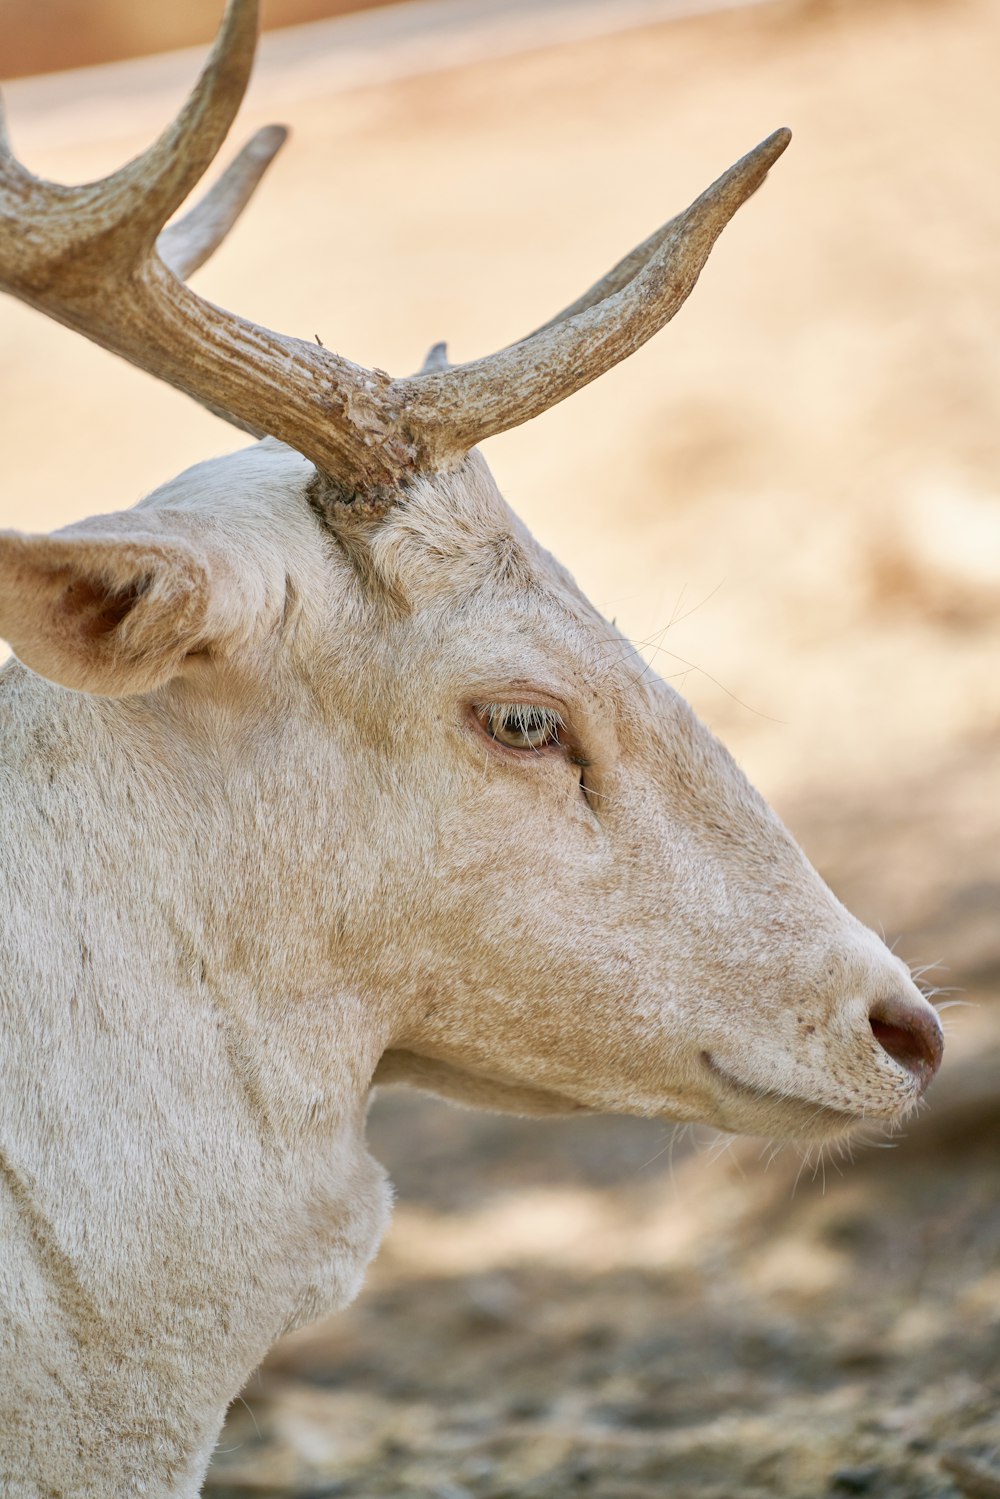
[258, 856]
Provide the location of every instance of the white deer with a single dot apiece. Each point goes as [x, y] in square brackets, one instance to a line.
[317, 773]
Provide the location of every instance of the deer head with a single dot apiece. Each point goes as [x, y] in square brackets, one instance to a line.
[473, 805]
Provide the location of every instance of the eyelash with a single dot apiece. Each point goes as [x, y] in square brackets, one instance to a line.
[542, 729]
[521, 726]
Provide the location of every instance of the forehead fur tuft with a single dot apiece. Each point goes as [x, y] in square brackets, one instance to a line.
[454, 533]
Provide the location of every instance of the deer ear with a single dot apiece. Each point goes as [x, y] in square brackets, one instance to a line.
[110, 606]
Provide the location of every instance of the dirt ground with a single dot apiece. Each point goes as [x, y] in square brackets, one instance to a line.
[791, 498]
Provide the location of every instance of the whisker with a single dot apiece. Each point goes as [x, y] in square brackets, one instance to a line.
[695, 607]
[667, 1145]
[250, 1414]
[692, 666]
[920, 969]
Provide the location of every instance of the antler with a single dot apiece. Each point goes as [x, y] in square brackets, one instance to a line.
[98, 259]
[610, 321]
[87, 256]
[186, 245]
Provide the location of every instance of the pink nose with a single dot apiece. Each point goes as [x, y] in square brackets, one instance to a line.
[911, 1034]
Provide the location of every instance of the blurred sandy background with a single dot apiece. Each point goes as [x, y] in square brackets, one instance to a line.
[791, 497]
[41, 37]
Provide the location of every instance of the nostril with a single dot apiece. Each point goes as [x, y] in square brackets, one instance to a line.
[911, 1034]
[902, 1045]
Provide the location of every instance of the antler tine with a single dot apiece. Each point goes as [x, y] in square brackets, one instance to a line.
[140, 197]
[435, 359]
[619, 275]
[117, 219]
[459, 407]
[186, 245]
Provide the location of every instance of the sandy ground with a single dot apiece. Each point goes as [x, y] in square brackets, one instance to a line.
[791, 497]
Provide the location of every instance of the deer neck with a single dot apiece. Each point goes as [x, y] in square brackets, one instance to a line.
[183, 1171]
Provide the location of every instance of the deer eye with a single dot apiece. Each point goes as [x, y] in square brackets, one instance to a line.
[521, 725]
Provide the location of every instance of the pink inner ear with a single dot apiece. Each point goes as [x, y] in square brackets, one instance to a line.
[98, 610]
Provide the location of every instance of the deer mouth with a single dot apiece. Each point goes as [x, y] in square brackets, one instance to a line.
[779, 1112]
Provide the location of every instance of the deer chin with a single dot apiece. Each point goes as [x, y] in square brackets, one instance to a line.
[476, 1090]
[749, 1108]
[734, 1107]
